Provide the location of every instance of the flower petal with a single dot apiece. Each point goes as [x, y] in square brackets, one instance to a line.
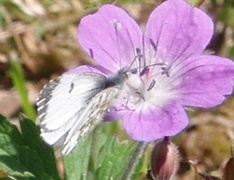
[177, 30]
[112, 114]
[206, 81]
[152, 124]
[111, 35]
[88, 68]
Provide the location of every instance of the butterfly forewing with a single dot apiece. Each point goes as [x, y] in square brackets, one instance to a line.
[66, 106]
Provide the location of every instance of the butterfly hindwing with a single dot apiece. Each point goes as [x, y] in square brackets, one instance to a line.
[93, 113]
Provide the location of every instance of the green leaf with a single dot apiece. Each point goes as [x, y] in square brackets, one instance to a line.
[7, 144]
[76, 163]
[10, 164]
[11, 130]
[25, 155]
[99, 156]
[30, 134]
[116, 157]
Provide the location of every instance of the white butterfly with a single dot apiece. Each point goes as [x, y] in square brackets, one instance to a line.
[74, 104]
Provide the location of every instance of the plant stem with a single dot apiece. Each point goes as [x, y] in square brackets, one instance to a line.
[134, 160]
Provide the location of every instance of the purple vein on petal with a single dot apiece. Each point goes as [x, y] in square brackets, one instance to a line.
[102, 48]
[180, 73]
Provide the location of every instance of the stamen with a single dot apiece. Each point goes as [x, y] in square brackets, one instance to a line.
[152, 84]
[126, 104]
[138, 56]
[142, 69]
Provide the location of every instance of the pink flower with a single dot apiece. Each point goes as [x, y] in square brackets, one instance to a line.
[172, 71]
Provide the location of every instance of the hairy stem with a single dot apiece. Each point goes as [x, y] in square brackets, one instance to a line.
[134, 160]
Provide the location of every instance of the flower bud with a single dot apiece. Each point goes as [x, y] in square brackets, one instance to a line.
[164, 160]
[3, 174]
[208, 177]
[228, 172]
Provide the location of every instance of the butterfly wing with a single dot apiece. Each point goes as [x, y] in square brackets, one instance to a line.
[66, 106]
[92, 114]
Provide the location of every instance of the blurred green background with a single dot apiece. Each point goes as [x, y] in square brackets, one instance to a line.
[38, 42]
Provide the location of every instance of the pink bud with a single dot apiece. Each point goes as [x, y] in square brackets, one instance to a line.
[228, 172]
[164, 160]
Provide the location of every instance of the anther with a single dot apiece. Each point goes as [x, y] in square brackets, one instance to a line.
[91, 53]
[153, 44]
[139, 55]
[144, 71]
[138, 51]
[152, 84]
[165, 70]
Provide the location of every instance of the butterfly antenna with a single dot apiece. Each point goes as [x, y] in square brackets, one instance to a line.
[137, 57]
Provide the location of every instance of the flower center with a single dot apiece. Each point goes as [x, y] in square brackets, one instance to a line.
[147, 87]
